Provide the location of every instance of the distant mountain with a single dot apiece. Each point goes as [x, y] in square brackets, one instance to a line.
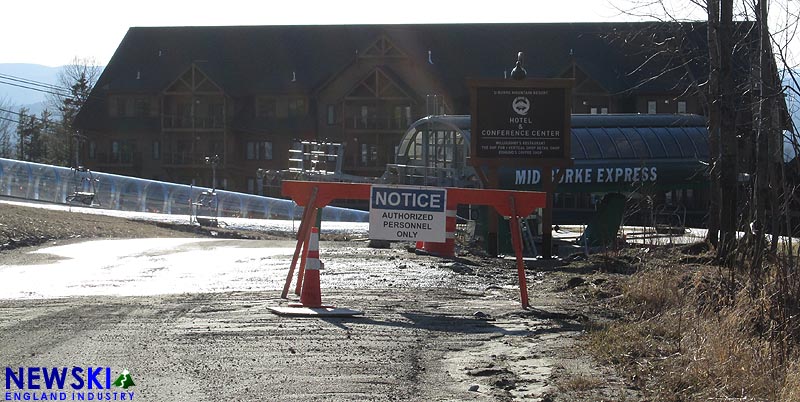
[11, 92]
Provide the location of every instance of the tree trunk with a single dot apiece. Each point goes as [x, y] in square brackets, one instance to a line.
[762, 122]
[712, 236]
[728, 141]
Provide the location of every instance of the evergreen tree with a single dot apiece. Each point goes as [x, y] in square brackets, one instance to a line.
[79, 77]
[29, 130]
[6, 132]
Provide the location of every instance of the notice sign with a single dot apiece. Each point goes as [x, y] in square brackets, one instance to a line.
[521, 121]
[407, 213]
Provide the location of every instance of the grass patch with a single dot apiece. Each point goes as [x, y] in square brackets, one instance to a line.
[691, 334]
[580, 383]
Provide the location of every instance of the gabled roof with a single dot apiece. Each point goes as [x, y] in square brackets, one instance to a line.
[246, 60]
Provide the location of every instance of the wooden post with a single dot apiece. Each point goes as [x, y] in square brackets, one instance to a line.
[302, 233]
[301, 271]
[491, 237]
[547, 214]
[516, 241]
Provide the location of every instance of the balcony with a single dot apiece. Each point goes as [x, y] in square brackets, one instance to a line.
[376, 123]
[200, 123]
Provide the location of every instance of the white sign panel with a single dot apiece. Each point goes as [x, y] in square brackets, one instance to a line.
[407, 213]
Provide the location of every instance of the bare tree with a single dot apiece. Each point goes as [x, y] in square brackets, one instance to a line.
[758, 193]
[76, 81]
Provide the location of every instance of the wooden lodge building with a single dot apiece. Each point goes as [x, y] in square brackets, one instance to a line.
[171, 96]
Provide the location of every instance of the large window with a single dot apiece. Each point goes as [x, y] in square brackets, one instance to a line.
[259, 150]
[141, 107]
[251, 185]
[401, 117]
[184, 115]
[131, 106]
[297, 107]
[122, 151]
[216, 147]
[216, 115]
[92, 149]
[266, 108]
[122, 106]
[332, 114]
[369, 154]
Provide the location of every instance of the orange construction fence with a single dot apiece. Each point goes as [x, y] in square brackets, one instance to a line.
[313, 195]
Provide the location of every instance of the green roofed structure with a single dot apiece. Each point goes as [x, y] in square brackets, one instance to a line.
[661, 160]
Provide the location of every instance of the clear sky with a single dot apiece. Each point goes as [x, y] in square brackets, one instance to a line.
[54, 32]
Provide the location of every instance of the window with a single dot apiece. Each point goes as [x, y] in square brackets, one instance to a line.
[251, 185]
[184, 118]
[331, 114]
[215, 147]
[252, 150]
[266, 108]
[297, 107]
[369, 154]
[593, 110]
[112, 106]
[651, 107]
[215, 114]
[682, 107]
[259, 150]
[142, 107]
[156, 150]
[364, 116]
[603, 110]
[122, 107]
[401, 117]
[92, 149]
[122, 151]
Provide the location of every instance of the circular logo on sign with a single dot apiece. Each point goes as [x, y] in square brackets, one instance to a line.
[521, 105]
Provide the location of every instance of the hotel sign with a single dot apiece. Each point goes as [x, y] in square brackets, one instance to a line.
[520, 123]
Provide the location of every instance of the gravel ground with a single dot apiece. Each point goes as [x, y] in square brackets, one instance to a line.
[466, 339]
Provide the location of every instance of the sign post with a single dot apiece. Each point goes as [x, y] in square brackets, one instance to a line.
[521, 123]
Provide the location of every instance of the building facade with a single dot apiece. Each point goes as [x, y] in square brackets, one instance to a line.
[170, 97]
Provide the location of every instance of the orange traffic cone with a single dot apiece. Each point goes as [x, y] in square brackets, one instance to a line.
[311, 296]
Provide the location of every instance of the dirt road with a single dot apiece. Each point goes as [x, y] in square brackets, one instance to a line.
[437, 330]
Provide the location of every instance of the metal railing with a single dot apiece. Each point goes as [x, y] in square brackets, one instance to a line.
[376, 123]
[185, 122]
